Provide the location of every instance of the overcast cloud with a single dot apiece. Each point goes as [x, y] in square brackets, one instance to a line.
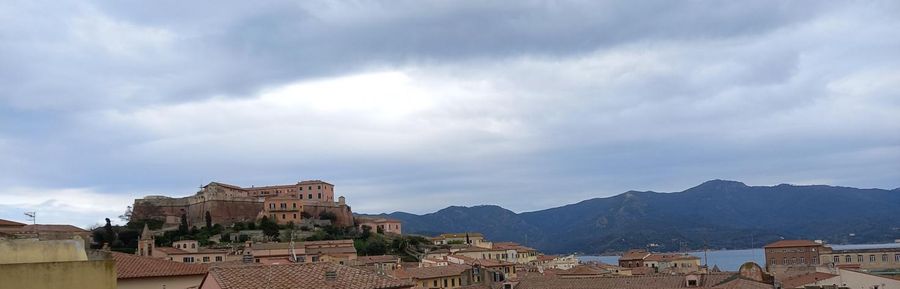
[417, 105]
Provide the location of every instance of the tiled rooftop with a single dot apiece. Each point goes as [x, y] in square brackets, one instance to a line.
[131, 266]
[431, 272]
[792, 243]
[301, 276]
[723, 281]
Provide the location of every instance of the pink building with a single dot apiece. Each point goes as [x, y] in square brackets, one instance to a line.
[382, 225]
[311, 190]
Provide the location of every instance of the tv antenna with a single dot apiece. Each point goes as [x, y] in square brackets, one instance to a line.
[32, 216]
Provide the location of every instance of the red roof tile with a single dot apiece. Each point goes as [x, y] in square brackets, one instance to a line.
[808, 278]
[131, 266]
[300, 276]
[792, 243]
[5, 223]
[430, 272]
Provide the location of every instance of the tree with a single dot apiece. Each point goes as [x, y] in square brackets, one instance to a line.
[366, 232]
[238, 226]
[108, 234]
[183, 227]
[269, 227]
[208, 220]
[328, 216]
[126, 217]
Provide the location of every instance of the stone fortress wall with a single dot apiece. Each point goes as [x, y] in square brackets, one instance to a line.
[226, 204]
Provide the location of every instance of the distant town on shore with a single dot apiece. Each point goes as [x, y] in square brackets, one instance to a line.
[227, 236]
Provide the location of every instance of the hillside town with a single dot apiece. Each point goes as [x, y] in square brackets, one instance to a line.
[298, 236]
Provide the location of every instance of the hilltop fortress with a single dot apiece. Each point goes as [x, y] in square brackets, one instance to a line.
[228, 204]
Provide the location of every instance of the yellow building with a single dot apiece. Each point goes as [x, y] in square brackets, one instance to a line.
[34, 264]
[437, 277]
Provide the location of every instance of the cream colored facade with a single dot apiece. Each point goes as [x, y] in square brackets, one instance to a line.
[854, 280]
[866, 259]
[28, 263]
[173, 282]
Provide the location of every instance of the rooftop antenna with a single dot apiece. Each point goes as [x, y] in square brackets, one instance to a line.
[32, 216]
[293, 253]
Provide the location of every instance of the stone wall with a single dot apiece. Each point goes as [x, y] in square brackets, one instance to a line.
[225, 209]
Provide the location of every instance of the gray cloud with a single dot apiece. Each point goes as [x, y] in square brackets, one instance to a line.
[415, 106]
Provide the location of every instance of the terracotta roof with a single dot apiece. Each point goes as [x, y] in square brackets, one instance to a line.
[300, 276]
[313, 182]
[634, 255]
[582, 270]
[377, 259]
[431, 272]
[131, 266]
[378, 220]
[724, 281]
[545, 258]
[792, 243]
[808, 278]
[670, 257]
[5, 223]
[512, 246]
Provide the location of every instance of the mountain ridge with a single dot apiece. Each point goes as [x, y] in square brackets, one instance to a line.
[715, 214]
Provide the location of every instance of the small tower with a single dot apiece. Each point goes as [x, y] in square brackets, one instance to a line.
[146, 244]
[342, 201]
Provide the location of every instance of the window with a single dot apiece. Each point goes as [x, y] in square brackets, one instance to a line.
[871, 258]
[301, 188]
[301, 196]
[859, 258]
[453, 282]
[837, 259]
[435, 283]
[295, 216]
[193, 245]
[445, 282]
[884, 258]
[772, 261]
[319, 187]
[188, 259]
[310, 196]
[784, 261]
[315, 259]
[206, 259]
[802, 261]
[218, 258]
[815, 260]
[283, 217]
[294, 205]
[848, 259]
[320, 195]
[272, 206]
[897, 258]
[310, 188]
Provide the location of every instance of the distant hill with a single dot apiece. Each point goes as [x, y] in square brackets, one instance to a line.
[718, 214]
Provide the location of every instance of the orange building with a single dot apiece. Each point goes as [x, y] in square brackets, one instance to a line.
[283, 210]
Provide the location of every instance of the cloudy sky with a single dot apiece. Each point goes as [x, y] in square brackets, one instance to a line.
[417, 105]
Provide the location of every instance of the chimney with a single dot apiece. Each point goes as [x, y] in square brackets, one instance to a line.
[330, 275]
